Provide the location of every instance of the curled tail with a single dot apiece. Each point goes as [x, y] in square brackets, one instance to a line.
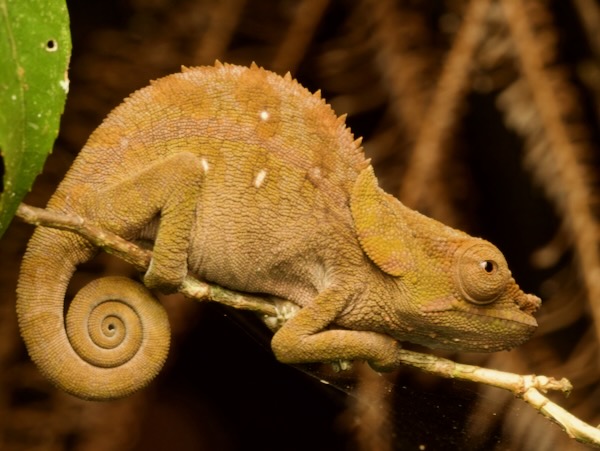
[116, 335]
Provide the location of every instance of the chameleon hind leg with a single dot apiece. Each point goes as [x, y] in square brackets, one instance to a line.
[168, 189]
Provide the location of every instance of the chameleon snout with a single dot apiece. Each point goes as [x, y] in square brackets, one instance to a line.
[528, 303]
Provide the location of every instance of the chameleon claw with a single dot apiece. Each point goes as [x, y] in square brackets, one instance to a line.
[285, 310]
[341, 365]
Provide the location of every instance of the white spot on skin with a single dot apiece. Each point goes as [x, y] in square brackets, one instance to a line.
[322, 277]
[264, 115]
[314, 175]
[260, 178]
[205, 165]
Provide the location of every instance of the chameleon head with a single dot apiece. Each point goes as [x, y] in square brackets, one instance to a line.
[479, 307]
[448, 289]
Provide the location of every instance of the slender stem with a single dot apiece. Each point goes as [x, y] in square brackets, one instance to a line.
[140, 259]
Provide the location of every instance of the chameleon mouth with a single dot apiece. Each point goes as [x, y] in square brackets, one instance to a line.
[485, 332]
[464, 327]
[517, 311]
[506, 317]
[477, 333]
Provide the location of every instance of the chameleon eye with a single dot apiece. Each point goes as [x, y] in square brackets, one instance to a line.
[488, 266]
[481, 273]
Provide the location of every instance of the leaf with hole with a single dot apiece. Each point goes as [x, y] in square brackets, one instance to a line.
[34, 52]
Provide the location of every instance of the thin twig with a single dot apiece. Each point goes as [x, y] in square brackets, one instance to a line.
[442, 116]
[395, 33]
[589, 15]
[140, 259]
[299, 35]
[528, 387]
[222, 24]
[372, 409]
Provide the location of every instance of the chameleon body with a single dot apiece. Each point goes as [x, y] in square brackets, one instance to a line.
[246, 179]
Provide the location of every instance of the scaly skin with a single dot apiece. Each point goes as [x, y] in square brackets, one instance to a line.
[258, 187]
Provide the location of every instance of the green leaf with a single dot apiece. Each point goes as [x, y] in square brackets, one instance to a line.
[35, 46]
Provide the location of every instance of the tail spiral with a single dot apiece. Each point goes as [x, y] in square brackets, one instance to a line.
[116, 335]
[114, 322]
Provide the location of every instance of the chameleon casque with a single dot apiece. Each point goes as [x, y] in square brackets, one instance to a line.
[245, 179]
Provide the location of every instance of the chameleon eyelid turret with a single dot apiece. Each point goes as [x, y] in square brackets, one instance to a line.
[481, 272]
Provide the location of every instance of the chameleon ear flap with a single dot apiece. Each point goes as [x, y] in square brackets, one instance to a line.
[382, 232]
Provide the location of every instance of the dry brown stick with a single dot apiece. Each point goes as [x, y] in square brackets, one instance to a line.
[588, 70]
[589, 15]
[527, 387]
[372, 410]
[576, 195]
[395, 34]
[307, 17]
[224, 18]
[140, 259]
[443, 114]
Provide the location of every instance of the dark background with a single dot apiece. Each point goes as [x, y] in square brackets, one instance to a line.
[456, 127]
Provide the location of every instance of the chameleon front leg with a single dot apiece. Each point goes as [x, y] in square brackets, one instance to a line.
[306, 339]
[169, 188]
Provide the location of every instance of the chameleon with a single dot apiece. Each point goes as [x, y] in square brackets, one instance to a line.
[246, 179]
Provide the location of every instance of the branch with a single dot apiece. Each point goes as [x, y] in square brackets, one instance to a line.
[140, 259]
[275, 311]
[222, 23]
[395, 33]
[527, 387]
[299, 35]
